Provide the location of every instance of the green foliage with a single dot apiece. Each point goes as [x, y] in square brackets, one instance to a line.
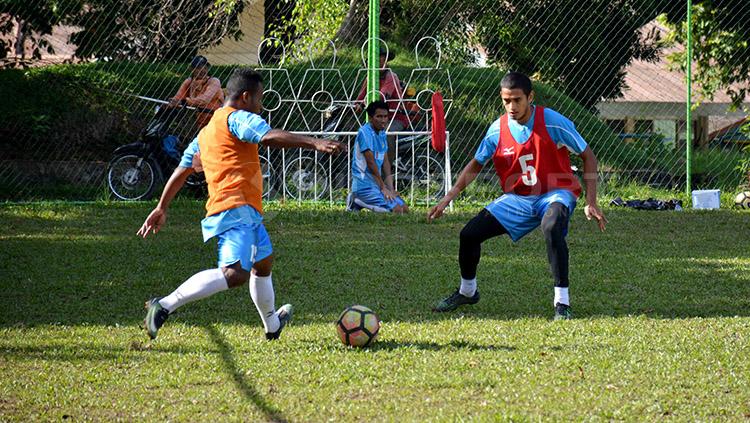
[313, 23]
[130, 29]
[717, 168]
[744, 166]
[721, 47]
[61, 113]
[744, 163]
[402, 25]
[721, 59]
[521, 35]
[587, 62]
[36, 18]
[416, 19]
[144, 30]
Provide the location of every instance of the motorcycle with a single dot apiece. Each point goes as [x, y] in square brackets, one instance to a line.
[137, 169]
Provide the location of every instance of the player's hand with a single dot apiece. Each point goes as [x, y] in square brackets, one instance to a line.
[197, 163]
[437, 211]
[592, 212]
[330, 147]
[389, 194]
[153, 223]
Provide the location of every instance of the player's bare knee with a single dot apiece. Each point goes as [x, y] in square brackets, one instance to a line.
[235, 275]
[263, 267]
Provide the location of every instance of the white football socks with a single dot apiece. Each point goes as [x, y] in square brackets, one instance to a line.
[261, 290]
[200, 285]
[561, 296]
[468, 287]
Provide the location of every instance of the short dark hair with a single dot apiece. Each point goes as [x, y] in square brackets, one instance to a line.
[373, 107]
[513, 80]
[243, 79]
[199, 61]
[385, 52]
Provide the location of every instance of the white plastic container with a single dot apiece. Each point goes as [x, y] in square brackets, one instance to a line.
[706, 199]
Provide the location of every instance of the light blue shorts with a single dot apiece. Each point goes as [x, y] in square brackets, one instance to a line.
[247, 244]
[372, 198]
[521, 214]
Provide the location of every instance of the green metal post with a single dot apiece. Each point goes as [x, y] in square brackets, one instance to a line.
[373, 77]
[689, 109]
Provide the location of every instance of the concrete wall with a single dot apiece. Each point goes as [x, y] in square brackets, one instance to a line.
[245, 50]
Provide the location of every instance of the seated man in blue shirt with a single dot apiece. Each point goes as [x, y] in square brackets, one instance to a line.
[372, 180]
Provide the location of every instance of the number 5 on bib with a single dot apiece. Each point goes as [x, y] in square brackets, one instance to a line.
[528, 173]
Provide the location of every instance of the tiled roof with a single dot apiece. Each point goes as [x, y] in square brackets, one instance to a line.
[655, 82]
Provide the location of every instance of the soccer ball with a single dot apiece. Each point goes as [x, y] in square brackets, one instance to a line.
[358, 326]
[742, 200]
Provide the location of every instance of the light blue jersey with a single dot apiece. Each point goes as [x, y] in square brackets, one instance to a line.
[367, 140]
[242, 236]
[562, 131]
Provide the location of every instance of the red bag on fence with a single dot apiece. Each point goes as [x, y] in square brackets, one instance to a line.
[438, 122]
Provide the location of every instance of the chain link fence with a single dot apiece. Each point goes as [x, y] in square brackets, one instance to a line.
[81, 79]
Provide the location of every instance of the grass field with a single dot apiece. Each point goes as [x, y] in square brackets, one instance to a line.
[661, 302]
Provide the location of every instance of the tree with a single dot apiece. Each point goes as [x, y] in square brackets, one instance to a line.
[355, 23]
[26, 24]
[451, 22]
[276, 13]
[721, 46]
[122, 29]
[310, 20]
[582, 50]
[147, 30]
[402, 22]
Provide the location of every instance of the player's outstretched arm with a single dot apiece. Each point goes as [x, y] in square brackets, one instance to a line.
[590, 176]
[158, 215]
[467, 176]
[278, 138]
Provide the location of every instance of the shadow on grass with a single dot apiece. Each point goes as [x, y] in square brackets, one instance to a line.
[225, 350]
[389, 345]
[392, 345]
[75, 352]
